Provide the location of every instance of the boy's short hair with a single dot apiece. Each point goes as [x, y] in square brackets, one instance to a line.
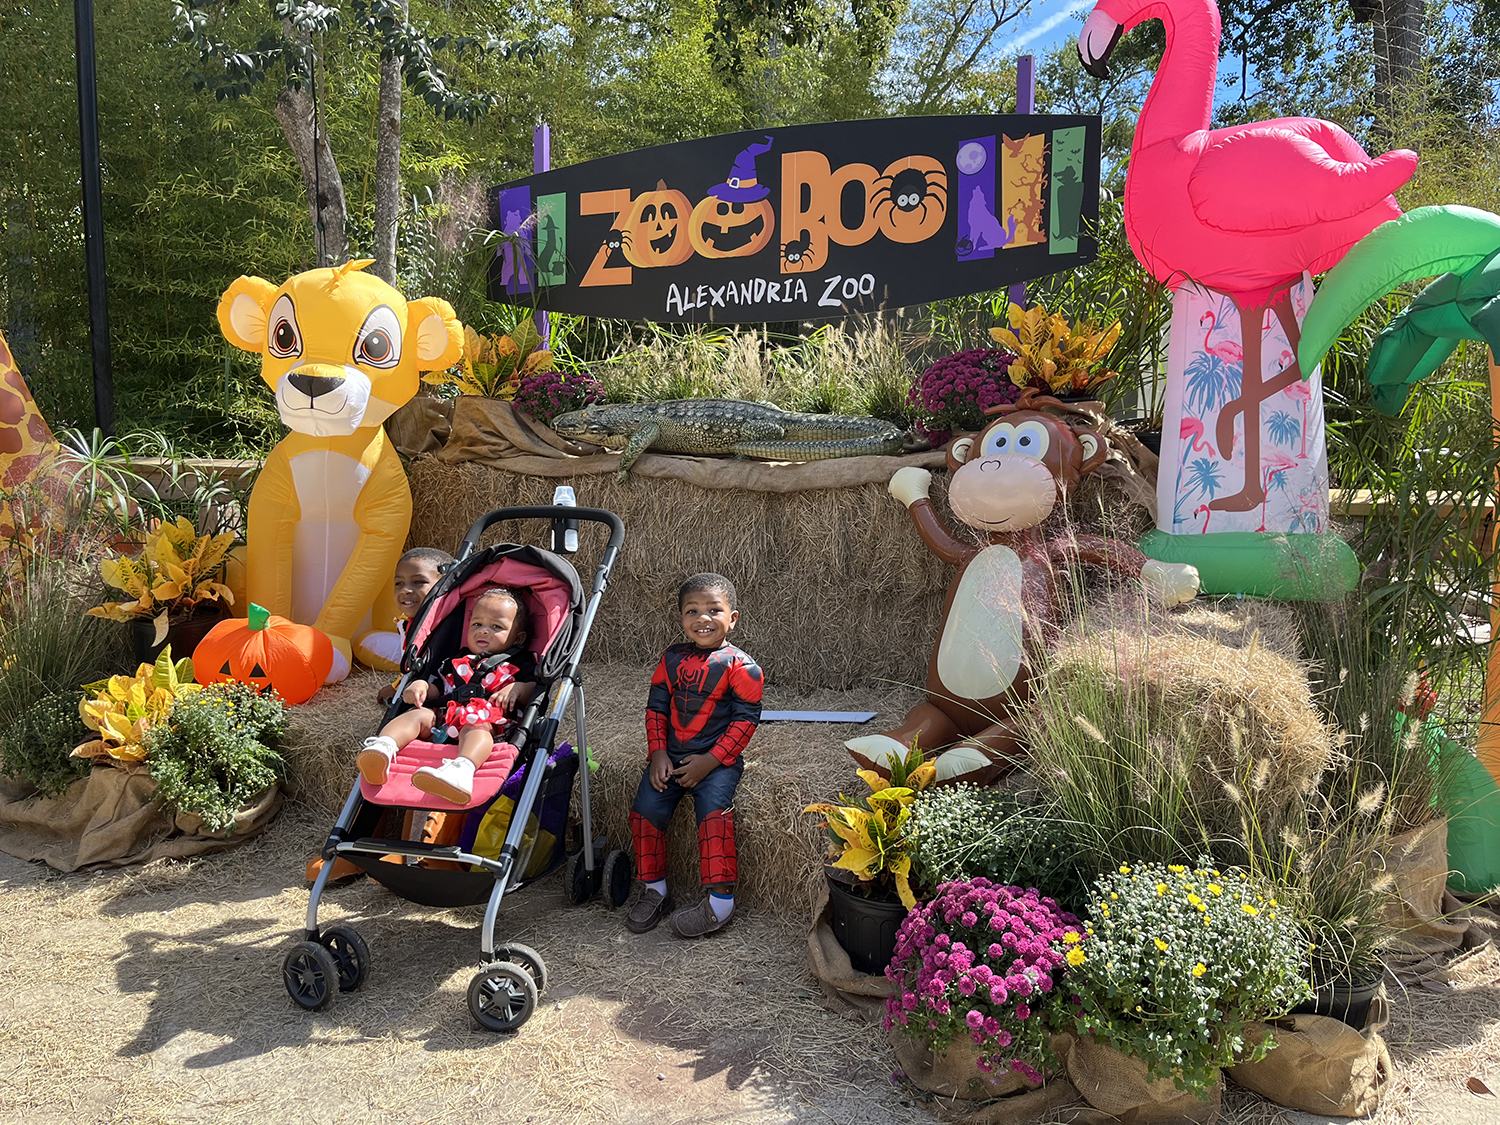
[523, 615]
[708, 581]
[437, 558]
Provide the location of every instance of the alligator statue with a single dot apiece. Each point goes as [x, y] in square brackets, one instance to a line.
[718, 425]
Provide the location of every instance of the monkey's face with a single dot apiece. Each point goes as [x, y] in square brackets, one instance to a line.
[1013, 474]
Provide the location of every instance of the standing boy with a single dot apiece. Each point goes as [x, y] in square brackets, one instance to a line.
[703, 708]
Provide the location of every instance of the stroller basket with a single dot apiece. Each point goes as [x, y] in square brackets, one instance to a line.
[515, 831]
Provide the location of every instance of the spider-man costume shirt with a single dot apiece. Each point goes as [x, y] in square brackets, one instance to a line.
[703, 702]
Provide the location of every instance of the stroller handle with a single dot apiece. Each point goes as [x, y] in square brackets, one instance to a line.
[545, 512]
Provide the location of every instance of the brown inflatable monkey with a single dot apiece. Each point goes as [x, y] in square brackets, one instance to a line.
[1005, 482]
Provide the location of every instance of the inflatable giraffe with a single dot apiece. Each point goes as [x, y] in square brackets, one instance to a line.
[26, 441]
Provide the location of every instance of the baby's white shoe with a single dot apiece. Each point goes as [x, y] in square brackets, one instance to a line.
[375, 759]
[452, 781]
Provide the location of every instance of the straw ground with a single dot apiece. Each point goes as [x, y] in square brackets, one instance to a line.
[152, 995]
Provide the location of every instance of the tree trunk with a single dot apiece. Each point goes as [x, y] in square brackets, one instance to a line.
[1400, 40]
[388, 165]
[320, 176]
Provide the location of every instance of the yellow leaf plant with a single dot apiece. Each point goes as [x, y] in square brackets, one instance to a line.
[870, 838]
[176, 570]
[124, 707]
[1052, 353]
[492, 366]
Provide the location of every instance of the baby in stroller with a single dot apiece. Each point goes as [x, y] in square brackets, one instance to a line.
[493, 678]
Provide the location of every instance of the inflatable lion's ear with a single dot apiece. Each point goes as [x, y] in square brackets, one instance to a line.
[343, 336]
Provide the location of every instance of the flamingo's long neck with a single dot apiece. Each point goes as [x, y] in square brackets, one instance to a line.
[1181, 100]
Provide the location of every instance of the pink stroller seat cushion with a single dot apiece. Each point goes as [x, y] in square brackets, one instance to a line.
[398, 789]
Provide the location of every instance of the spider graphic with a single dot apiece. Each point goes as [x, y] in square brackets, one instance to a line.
[798, 250]
[908, 190]
[616, 239]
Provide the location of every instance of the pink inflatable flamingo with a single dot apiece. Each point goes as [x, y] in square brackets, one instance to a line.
[1244, 210]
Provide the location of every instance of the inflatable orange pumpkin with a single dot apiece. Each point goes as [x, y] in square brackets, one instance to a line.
[266, 651]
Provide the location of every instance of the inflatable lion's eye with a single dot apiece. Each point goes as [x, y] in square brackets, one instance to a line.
[379, 340]
[285, 337]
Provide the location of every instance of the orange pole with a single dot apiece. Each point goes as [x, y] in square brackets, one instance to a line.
[1488, 748]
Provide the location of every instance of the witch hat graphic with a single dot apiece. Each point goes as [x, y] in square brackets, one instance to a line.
[741, 186]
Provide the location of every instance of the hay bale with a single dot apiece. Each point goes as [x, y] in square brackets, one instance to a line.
[836, 589]
[1248, 704]
[323, 736]
[788, 766]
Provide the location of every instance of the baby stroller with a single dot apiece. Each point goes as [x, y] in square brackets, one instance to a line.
[503, 995]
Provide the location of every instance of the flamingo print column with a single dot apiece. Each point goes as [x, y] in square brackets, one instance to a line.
[1235, 222]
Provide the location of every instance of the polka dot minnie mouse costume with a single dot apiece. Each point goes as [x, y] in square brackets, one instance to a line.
[467, 682]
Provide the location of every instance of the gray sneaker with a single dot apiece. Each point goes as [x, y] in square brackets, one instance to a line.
[649, 909]
[698, 920]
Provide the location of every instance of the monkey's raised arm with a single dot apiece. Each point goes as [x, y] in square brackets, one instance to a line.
[910, 485]
[1175, 582]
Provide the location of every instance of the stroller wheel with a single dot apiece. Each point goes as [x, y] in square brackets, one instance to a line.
[619, 873]
[311, 975]
[528, 958]
[350, 952]
[580, 880]
[502, 996]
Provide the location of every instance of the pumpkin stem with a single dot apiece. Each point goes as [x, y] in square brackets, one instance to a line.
[258, 617]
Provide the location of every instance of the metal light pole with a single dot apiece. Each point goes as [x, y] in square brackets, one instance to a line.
[93, 214]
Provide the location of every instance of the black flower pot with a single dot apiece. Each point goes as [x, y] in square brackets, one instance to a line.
[1344, 1000]
[182, 635]
[865, 927]
[1151, 439]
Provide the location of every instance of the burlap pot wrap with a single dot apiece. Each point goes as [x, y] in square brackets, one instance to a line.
[1425, 916]
[954, 1073]
[1117, 1084]
[110, 817]
[254, 816]
[849, 990]
[1321, 1065]
[421, 426]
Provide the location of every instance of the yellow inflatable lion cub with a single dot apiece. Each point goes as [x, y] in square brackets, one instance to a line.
[330, 511]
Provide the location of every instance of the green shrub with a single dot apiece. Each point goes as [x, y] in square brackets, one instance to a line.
[216, 751]
[964, 832]
[36, 747]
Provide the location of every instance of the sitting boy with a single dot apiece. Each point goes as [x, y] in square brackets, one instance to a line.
[491, 679]
[417, 571]
[703, 708]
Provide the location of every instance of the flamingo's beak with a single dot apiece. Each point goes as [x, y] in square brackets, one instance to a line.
[1095, 42]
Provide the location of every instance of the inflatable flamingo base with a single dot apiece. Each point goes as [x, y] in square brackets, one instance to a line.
[1288, 566]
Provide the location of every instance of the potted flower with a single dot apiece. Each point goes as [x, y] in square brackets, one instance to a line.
[869, 867]
[956, 391]
[1054, 356]
[175, 594]
[123, 708]
[1173, 963]
[214, 759]
[544, 395]
[977, 970]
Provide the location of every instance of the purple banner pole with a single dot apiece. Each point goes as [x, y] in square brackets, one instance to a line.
[1025, 103]
[541, 161]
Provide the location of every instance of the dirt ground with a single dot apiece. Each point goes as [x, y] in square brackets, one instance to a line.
[153, 995]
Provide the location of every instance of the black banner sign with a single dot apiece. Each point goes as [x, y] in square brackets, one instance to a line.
[803, 222]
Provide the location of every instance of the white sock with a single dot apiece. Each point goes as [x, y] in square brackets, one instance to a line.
[723, 905]
[659, 886]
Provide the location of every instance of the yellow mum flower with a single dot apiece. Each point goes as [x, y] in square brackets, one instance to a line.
[1214, 888]
[1072, 937]
[1161, 889]
[1199, 969]
[1076, 957]
[1124, 869]
[1176, 869]
[1248, 909]
[1160, 944]
[1114, 894]
[1195, 900]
